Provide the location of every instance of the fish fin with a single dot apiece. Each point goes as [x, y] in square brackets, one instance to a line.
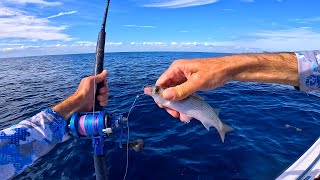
[217, 111]
[223, 130]
[207, 125]
[185, 117]
[197, 96]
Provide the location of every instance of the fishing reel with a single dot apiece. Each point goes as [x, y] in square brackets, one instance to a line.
[89, 124]
[98, 126]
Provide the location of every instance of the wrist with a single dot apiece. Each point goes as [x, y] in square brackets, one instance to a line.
[69, 106]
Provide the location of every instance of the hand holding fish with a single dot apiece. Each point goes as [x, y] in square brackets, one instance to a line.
[188, 76]
[191, 107]
[184, 77]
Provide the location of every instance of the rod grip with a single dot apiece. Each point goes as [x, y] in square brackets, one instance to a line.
[99, 64]
[100, 167]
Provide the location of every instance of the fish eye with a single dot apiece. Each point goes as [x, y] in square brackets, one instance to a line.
[157, 89]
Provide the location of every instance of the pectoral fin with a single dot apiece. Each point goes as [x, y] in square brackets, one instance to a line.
[185, 118]
[217, 111]
[206, 124]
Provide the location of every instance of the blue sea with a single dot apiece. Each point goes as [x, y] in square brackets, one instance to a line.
[261, 147]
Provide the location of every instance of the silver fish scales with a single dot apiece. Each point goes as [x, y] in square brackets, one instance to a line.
[192, 107]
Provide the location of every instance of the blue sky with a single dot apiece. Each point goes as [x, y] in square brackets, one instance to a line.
[39, 27]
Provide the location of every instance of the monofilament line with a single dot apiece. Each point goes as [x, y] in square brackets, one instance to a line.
[128, 134]
[94, 89]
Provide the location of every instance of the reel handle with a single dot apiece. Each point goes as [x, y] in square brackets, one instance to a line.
[136, 145]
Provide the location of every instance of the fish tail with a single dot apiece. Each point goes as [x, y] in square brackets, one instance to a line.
[223, 130]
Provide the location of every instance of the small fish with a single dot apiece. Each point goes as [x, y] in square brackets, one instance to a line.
[192, 107]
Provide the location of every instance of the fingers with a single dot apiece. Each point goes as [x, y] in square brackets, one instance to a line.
[103, 95]
[172, 112]
[103, 90]
[164, 79]
[174, 75]
[103, 99]
[104, 103]
[160, 105]
[181, 91]
[102, 76]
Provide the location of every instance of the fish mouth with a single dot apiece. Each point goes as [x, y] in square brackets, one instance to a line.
[147, 90]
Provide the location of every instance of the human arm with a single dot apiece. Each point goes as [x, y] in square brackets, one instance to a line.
[188, 76]
[24, 143]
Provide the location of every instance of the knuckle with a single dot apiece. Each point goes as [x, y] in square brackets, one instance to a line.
[182, 91]
[88, 79]
[200, 80]
[176, 63]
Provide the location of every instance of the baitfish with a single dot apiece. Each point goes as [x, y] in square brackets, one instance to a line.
[192, 107]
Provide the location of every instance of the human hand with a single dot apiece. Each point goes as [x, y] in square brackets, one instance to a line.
[86, 94]
[185, 77]
[82, 100]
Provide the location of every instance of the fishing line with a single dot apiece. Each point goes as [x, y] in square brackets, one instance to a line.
[94, 89]
[128, 134]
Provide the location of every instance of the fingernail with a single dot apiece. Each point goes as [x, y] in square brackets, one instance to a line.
[168, 94]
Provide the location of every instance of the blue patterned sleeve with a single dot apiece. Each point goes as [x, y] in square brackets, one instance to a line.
[24, 143]
[309, 70]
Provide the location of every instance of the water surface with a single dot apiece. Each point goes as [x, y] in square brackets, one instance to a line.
[261, 147]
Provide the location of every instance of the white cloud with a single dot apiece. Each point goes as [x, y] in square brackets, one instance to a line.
[227, 9]
[139, 26]
[39, 2]
[62, 14]
[307, 20]
[10, 44]
[152, 43]
[248, 1]
[114, 43]
[15, 23]
[293, 39]
[179, 3]
[290, 39]
[89, 47]
[4, 11]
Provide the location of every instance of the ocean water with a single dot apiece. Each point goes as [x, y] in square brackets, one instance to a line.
[261, 147]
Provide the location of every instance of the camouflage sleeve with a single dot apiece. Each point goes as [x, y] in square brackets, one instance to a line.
[24, 143]
[309, 70]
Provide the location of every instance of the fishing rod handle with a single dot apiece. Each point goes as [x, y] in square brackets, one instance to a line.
[99, 64]
[100, 167]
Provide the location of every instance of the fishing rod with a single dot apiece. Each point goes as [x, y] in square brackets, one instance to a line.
[98, 67]
[98, 125]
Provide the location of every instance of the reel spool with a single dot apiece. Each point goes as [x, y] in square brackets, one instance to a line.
[88, 124]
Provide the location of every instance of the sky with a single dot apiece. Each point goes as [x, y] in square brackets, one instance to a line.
[49, 27]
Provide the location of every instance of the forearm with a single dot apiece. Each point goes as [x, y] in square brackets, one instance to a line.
[281, 68]
[68, 107]
[24, 143]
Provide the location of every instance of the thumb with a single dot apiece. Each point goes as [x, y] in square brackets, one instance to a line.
[102, 76]
[180, 92]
